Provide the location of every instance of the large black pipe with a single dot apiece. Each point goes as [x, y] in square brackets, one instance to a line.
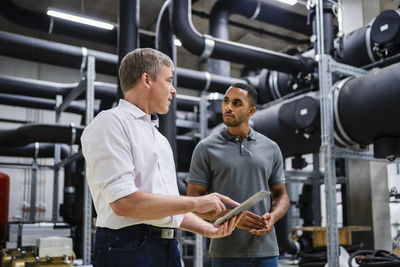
[377, 40]
[234, 52]
[39, 103]
[18, 46]
[328, 27]
[128, 30]
[42, 22]
[366, 111]
[296, 134]
[165, 43]
[45, 150]
[368, 108]
[47, 89]
[252, 9]
[49, 133]
[34, 49]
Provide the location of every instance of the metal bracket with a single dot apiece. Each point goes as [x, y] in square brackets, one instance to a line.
[209, 45]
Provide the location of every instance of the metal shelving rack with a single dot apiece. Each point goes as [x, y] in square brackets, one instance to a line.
[327, 66]
[86, 84]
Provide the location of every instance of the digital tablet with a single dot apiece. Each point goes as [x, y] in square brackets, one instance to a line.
[247, 204]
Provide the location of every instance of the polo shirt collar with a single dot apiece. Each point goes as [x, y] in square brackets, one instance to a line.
[137, 112]
[225, 133]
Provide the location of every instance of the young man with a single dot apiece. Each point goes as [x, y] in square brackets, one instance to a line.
[238, 162]
[131, 173]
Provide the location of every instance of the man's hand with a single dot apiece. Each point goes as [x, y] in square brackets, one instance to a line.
[224, 229]
[269, 220]
[213, 204]
[251, 221]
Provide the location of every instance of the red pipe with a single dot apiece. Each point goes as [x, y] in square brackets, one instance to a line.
[4, 199]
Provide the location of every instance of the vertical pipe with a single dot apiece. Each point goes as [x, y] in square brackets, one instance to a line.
[128, 31]
[165, 43]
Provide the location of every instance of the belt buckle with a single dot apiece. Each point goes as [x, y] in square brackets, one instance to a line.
[167, 233]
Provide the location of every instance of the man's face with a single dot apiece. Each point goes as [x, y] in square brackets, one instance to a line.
[162, 90]
[236, 108]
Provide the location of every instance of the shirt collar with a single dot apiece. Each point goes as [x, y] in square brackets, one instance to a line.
[225, 133]
[137, 112]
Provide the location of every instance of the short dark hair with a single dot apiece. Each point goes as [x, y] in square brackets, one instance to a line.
[139, 61]
[251, 92]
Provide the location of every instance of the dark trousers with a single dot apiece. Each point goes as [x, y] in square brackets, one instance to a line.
[134, 246]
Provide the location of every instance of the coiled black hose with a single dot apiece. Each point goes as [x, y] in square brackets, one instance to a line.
[371, 258]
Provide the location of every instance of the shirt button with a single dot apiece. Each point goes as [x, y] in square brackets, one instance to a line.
[236, 139]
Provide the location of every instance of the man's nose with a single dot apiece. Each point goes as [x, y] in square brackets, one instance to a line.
[173, 91]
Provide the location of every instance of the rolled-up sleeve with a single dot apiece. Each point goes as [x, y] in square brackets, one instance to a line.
[109, 159]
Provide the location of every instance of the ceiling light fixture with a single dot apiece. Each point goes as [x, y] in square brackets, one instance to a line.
[77, 18]
[289, 2]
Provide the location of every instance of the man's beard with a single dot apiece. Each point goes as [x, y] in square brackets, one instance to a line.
[232, 124]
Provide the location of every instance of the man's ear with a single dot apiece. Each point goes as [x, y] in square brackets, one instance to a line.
[252, 111]
[145, 78]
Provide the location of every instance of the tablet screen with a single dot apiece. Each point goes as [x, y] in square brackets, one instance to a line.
[247, 204]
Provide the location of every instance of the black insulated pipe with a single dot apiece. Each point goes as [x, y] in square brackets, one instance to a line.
[45, 150]
[328, 30]
[46, 89]
[28, 48]
[39, 103]
[22, 47]
[45, 23]
[365, 108]
[207, 46]
[128, 30]
[49, 133]
[293, 124]
[367, 111]
[252, 9]
[165, 43]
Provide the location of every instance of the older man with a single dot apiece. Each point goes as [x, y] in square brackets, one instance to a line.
[131, 173]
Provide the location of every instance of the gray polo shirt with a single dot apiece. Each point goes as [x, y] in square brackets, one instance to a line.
[239, 168]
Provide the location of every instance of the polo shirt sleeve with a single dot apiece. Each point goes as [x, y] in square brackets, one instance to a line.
[277, 174]
[109, 159]
[199, 171]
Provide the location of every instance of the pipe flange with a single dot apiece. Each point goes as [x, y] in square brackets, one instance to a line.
[84, 59]
[208, 81]
[273, 85]
[209, 45]
[341, 136]
[36, 153]
[368, 44]
[73, 133]
[257, 11]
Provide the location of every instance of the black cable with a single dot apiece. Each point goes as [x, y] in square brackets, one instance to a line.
[374, 258]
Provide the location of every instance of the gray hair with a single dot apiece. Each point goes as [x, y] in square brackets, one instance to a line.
[139, 61]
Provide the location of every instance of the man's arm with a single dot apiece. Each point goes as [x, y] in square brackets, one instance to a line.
[280, 205]
[195, 224]
[248, 221]
[145, 205]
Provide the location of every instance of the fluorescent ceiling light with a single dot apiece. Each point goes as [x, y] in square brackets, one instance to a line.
[79, 19]
[289, 2]
[177, 42]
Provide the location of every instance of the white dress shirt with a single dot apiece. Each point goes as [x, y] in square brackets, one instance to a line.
[124, 153]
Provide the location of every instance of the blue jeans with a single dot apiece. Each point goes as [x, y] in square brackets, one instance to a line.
[130, 247]
[245, 262]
